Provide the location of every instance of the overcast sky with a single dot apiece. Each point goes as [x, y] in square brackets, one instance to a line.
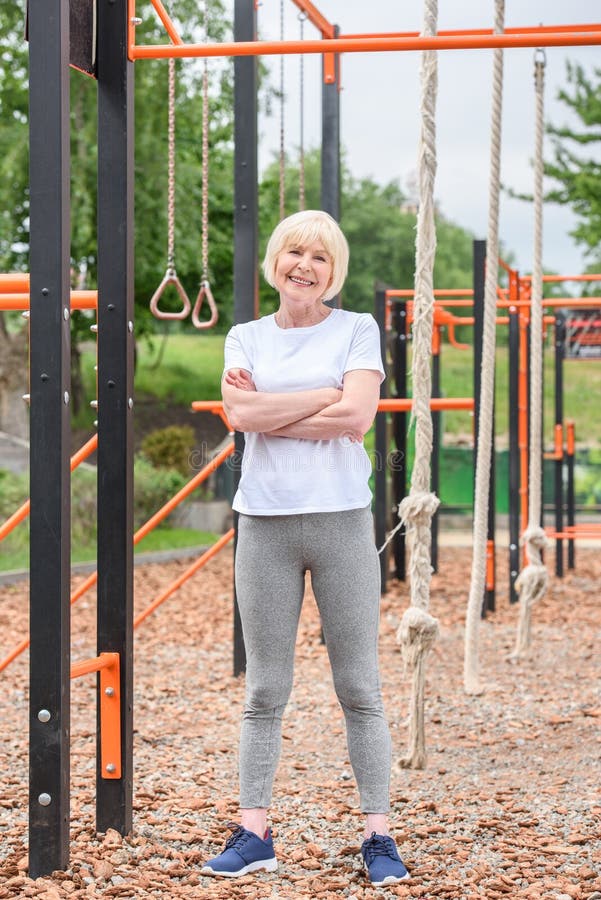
[380, 109]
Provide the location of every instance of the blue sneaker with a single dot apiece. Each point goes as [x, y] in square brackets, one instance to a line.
[244, 852]
[382, 861]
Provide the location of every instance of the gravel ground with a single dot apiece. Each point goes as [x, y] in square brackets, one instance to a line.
[509, 806]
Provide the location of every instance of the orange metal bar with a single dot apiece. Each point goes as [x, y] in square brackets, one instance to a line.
[23, 511]
[167, 22]
[523, 420]
[571, 437]
[392, 405]
[558, 278]
[191, 570]
[438, 292]
[141, 533]
[573, 535]
[315, 17]
[549, 29]
[329, 68]
[19, 300]
[490, 565]
[108, 664]
[557, 453]
[212, 406]
[458, 41]
[14, 282]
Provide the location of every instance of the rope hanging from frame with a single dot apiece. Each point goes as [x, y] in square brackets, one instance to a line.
[418, 629]
[170, 277]
[282, 155]
[531, 583]
[205, 292]
[471, 675]
[302, 16]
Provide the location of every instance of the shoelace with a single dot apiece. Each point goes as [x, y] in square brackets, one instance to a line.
[378, 845]
[237, 838]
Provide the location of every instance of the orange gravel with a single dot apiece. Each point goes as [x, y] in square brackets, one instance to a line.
[509, 806]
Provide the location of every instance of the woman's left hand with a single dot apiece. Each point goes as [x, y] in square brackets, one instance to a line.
[239, 378]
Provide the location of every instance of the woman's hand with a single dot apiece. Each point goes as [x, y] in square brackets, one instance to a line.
[240, 378]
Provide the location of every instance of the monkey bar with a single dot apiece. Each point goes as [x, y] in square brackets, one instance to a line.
[475, 39]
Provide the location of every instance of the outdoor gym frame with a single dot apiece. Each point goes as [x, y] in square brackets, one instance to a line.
[50, 668]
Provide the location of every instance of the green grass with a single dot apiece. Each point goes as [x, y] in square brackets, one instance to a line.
[159, 539]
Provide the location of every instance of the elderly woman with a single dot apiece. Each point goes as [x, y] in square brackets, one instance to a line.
[303, 385]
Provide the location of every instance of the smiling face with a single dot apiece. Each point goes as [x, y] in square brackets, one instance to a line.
[303, 273]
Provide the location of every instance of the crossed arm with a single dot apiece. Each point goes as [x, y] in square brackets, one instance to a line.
[322, 414]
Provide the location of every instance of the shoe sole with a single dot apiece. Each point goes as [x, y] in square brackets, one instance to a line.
[268, 865]
[391, 879]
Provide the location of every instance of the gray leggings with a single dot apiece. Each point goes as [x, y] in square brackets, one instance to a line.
[272, 556]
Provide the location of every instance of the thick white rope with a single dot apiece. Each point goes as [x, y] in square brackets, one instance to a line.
[418, 629]
[531, 583]
[487, 383]
[282, 123]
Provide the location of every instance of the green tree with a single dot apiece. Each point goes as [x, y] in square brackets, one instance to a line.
[576, 167]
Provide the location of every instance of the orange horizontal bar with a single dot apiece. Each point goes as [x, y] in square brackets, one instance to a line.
[93, 665]
[14, 282]
[166, 20]
[315, 17]
[573, 536]
[557, 278]
[191, 570]
[437, 404]
[438, 292]
[538, 29]
[20, 300]
[459, 41]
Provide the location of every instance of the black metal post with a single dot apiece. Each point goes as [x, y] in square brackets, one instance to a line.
[381, 466]
[436, 438]
[115, 388]
[49, 667]
[514, 454]
[479, 275]
[330, 146]
[560, 337]
[399, 425]
[246, 242]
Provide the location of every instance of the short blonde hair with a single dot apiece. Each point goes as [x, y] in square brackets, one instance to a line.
[304, 228]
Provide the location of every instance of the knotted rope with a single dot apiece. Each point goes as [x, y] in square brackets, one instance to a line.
[487, 382]
[418, 629]
[531, 583]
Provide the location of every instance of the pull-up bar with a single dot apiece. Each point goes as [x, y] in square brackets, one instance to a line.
[551, 36]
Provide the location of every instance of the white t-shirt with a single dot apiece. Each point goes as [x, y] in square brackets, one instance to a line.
[282, 475]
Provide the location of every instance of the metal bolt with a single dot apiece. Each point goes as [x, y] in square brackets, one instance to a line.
[26, 398]
[130, 327]
[130, 403]
[135, 20]
[513, 573]
[44, 799]
[66, 397]
[66, 314]
[25, 314]
[44, 715]
[45, 292]
[513, 546]
[43, 377]
[111, 383]
[109, 691]
[111, 307]
[94, 404]
[111, 767]
[94, 328]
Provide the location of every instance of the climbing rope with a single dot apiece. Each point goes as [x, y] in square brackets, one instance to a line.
[302, 16]
[170, 276]
[531, 583]
[205, 292]
[418, 629]
[487, 382]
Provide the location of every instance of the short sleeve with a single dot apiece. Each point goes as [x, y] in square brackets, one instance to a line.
[235, 356]
[365, 351]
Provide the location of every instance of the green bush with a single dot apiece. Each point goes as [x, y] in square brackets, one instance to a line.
[170, 448]
[153, 487]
